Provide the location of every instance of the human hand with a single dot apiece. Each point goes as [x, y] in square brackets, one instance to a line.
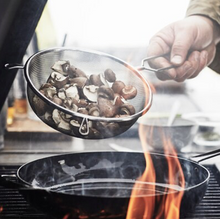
[191, 44]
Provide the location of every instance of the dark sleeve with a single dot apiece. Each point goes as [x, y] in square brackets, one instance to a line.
[211, 9]
[215, 65]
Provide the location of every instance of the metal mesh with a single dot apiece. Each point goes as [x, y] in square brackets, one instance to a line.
[38, 70]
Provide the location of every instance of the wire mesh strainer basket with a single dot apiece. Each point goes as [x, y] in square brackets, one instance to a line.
[38, 69]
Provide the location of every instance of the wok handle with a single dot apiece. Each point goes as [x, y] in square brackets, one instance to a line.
[144, 67]
[208, 155]
[4, 181]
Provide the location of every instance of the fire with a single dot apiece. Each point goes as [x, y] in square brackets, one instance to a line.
[153, 205]
[1, 209]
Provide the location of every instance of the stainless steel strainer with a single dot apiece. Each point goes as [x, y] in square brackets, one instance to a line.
[37, 70]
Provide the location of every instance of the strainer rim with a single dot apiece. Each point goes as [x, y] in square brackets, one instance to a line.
[70, 112]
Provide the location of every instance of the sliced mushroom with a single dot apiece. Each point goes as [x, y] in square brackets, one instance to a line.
[48, 117]
[69, 103]
[63, 125]
[59, 121]
[62, 94]
[72, 92]
[61, 67]
[56, 116]
[48, 90]
[106, 92]
[75, 125]
[90, 92]
[129, 92]
[66, 117]
[57, 79]
[109, 75]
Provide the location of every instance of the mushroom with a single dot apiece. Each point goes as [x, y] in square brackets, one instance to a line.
[95, 80]
[106, 92]
[69, 103]
[75, 123]
[82, 103]
[118, 100]
[90, 92]
[103, 80]
[61, 124]
[109, 75]
[107, 108]
[66, 117]
[80, 82]
[72, 92]
[48, 90]
[117, 86]
[61, 67]
[129, 92]
[83, 111]
[39, 105]
[56, 116]
[75, 126]
[57, 100]
[94, 133]
[48, 117]
[57, 79]
[62, 94]
[112, 129]
[126, 109]
[69, 91]
[107, 129]
[94, 111]
[76, 72]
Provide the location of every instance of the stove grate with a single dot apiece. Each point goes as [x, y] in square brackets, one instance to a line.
[13, 205]
[209, 207]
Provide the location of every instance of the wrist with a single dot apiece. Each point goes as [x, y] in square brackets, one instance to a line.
[215, 27]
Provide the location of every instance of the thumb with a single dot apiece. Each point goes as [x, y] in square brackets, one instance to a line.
[180, 48]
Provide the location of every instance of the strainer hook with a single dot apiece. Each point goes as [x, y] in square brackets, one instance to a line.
[84, 127]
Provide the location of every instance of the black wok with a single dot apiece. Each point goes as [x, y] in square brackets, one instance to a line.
[99, 184]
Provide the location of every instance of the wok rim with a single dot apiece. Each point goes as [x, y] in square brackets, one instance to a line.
[146, 85]
[99, 152]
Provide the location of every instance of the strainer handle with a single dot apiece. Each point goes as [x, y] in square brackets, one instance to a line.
[13, 66]
[143, 67]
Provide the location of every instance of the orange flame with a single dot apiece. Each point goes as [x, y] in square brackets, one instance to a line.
[153, 205]
[1, 209]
